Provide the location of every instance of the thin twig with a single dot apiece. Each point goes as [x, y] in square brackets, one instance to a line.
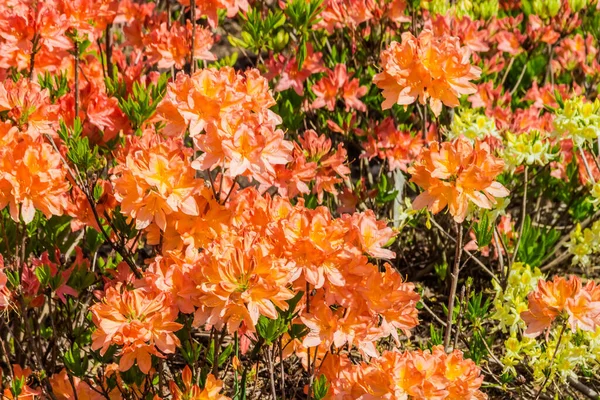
[460, 314]
[587, 166]
[583, 389]
[467, 252]
[193, 40]
[269, 353]
[434, 315]
[453, 286]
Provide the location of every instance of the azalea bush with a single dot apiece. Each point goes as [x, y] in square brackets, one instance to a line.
[300, 199]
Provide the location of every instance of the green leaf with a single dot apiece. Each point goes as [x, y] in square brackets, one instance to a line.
[74, 362]
[43, 274]
[484, 231]
[535, 243]
[320, 387]
[271, 329]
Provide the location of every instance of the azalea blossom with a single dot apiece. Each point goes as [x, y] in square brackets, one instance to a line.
[338, 84]
[455, 174]
[560, 296]
[140, 322]
[153, 180]
[428, 68]
[32, 177]
[191, 391]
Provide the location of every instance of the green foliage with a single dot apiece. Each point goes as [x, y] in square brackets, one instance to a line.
[227, 61]
[320, 387]
[80, 153]
[477, 346]
[17, 386]
[56, 84]
[223, 354]
[140, 104]
[386, 192]
[75, 363]
[477, 309]
[484, 230]
[436, 336]
[536, 243]
[259, 32]
[271, 329]
[303, 15]
[441, 270]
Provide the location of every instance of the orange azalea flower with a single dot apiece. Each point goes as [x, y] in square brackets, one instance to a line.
[89, 17]
[388, 143]
[171, 47]
[27, 393]
[289, 74]
[139, 321]
[424, 375]
[372, 235]
[456, 173]
[329, 166]
[471, 33]
[337, 84]
[240, 280]
[552, 298]
[32, 177]
[20, 23]
[339, 14]
[228, 116]
[154, 179]
[210, 8]
[428, 68]
[65, 389]
[191, 391]
[29, 106]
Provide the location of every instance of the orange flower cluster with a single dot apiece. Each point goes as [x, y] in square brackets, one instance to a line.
[228, 116]
[388, 143]
[31, 175]
[376, 305]
[140, 321]
[65, 389]
[240, 279]
[169, 47]
[288, 72]
[266, 251]
[28, 106]
[419, 375]
[191, 391]
[20, 24]
[210, 8]
[345, 13]
[338, 84]
[153, 179]
[456, 173]
[428, 68]
[313, 160]
[27, 392]
[566, 297]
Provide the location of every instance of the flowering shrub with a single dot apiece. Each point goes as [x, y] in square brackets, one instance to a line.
[301, 199]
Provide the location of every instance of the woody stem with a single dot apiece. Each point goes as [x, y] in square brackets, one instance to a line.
[587, 166]
[309, 395]
[76, 89]
[453, 287]
[193, 39]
